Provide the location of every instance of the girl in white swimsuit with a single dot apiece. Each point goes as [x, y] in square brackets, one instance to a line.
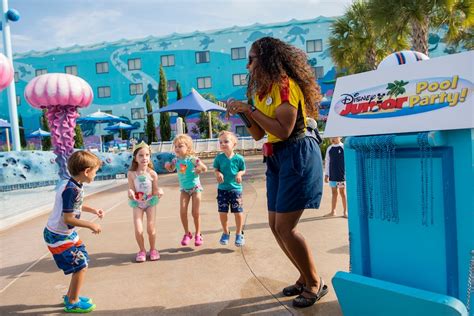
[143, 196]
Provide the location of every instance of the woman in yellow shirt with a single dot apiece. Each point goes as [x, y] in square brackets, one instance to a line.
[283, 88]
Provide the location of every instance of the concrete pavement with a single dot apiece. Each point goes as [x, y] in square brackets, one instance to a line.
[207, 280]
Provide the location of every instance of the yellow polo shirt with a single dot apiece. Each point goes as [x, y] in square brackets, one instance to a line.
[287, 90]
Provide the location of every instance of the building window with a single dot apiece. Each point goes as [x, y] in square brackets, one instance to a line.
[135, 64]
[240, 130]
[171, 85]
[167, 60]
[314, 46]
[319, 72]
[18, 100]
[17, 76]
[40, 72]
[202, 57]
[204, 82]
[136, 88]
[138, 113]
[102, 68]
[238, 53]
[103, 92]
[239, 79]
[139, 136]
[72, 70]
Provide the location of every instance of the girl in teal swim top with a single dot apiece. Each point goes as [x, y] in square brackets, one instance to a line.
[188, 167]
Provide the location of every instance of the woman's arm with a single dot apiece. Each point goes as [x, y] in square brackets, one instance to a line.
[234, 107]
[281, 126]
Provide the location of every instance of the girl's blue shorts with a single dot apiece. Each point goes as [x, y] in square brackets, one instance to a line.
[294, 176]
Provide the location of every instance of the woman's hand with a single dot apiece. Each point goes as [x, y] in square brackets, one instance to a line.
[234, 107]
[131, 195]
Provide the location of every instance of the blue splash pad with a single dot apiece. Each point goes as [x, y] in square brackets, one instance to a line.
[39, 168]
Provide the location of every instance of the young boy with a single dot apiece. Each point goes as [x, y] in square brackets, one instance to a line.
[68, 251]
[335, 174]
[229, 169]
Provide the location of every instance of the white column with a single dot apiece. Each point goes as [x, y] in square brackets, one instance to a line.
[11, 93]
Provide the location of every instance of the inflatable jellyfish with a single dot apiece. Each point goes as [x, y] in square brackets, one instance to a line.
[6, 72]
[61, 95]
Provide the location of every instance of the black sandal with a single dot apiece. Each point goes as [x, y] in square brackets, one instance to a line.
[303, 301]
[295, 289]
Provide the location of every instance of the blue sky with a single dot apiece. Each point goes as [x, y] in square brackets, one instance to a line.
[46, 24]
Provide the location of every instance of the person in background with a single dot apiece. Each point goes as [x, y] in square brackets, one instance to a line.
[335, 174]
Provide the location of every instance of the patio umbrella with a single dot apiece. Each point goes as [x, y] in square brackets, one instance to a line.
[191, 104]
[99, 118]
[40, 134]
[120, 127]
[4, 124]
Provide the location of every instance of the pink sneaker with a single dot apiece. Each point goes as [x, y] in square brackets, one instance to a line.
[186, 238]
[154, 255]
[198, 240]
[141, 256]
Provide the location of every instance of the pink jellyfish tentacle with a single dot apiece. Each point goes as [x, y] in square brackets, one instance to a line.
[69, 123]
[56, 116]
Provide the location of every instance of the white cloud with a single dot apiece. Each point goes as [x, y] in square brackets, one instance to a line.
[65, 23]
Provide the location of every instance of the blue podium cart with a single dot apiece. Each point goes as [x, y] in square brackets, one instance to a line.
[410, 191]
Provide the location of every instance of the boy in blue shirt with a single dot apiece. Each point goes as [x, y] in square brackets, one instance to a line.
[229, 168]
[69, 252]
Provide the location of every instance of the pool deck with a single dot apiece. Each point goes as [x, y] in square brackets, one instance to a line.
[207, 280]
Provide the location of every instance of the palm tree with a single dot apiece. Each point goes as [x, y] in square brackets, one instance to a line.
[403, 13]
[458, 16]
[356, 44]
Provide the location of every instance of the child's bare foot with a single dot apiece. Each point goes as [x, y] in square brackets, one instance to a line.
[330, 214]
[344, 215]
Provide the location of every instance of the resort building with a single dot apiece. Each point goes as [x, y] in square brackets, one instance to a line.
[121, 73]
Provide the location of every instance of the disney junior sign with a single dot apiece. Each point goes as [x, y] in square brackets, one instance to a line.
[429, 95]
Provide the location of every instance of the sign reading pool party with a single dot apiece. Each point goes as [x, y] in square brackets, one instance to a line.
[433, 94]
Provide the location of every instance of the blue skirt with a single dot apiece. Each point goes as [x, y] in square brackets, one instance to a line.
[294, 176]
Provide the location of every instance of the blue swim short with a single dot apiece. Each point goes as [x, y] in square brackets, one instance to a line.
[294, 176]
[68, 251]
[337, 184]
[232, 198]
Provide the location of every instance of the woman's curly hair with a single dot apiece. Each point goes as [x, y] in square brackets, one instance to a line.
[277, 60]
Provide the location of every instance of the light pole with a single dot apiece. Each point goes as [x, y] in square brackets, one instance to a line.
[10, 15]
